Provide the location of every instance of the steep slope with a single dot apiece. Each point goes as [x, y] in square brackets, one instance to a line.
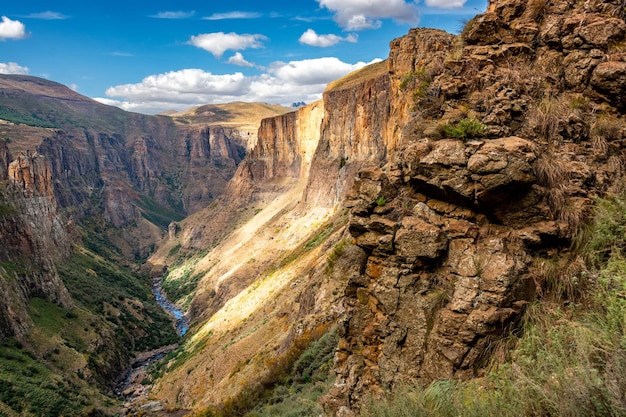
[70, 321]
[134, 172]
[466, 163]
[511, 138]
[33, 238]
[241, 120]
[261, 249]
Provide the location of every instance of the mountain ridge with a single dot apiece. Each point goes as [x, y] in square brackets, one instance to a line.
[415, 209]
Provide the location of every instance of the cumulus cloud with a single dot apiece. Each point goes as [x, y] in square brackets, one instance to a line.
[446, 4]
[238, 59]
[361, 15]
[233, 15]
[313, 39]
[180, 14]
[219, 42]
[283, 83]
[48, 15]
[312, 71]
[11, 29]
[12, 68]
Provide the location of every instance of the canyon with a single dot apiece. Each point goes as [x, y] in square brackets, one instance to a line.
[412, 210]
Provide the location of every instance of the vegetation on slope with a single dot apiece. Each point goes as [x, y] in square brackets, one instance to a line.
[358, 76]
[569, 359]
[70, 358]
[293, 386]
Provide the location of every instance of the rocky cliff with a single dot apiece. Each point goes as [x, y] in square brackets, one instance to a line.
[134, 172]
[510, 137]
[465, 162]
[33, 238]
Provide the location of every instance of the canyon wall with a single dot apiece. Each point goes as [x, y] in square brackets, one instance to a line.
[509, 139]
[33, 237]
[134, 172]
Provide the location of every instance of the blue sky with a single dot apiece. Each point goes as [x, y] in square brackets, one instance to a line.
[160, 55]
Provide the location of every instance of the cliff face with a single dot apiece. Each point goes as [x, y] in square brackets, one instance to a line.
[509, 138]
[33, 238]
[465, 163]
[129, 170]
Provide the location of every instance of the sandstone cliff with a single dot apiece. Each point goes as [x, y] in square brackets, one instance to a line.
[33, 238]
[464, 161]
[134, 172]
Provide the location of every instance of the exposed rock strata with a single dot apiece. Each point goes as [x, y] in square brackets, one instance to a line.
[446, 222]
[33, 238]
[450, 227]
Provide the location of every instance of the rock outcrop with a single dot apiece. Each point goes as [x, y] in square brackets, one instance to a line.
[507, 141]
[33, 237]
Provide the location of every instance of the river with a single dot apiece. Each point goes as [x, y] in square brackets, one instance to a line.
[180, 321]
[130, 386]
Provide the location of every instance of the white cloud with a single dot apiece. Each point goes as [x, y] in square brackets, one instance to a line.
[11, 29]
[283, 83]
[238, 59]
[360, 15]
[174, 14]
[220, 42]
[313, 39]
[12, 68]
[233, 15]
[48, 15]
[73, 86]
[446, 4]
[313, 71]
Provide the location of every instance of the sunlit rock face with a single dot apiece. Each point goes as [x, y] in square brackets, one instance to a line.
[461, 162]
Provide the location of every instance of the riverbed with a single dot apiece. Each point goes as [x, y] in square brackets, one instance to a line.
[131, 387]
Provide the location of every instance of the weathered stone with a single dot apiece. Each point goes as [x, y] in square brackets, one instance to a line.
[446, 153]
[417, 238]
[609, 78]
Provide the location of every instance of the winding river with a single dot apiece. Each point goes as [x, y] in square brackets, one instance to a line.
[130, 386]
[180, 321]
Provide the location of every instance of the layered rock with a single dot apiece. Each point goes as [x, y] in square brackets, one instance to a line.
[33, 236]
[497, 163]
[122, 169]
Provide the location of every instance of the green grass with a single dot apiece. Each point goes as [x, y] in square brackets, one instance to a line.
[32, 119]
[156, 213]
[98, 285]
[31, 388]
[294, 384]
[570, 359]
[464, 129]
[71, 356]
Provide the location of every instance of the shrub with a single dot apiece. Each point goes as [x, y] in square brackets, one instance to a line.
[464, 129]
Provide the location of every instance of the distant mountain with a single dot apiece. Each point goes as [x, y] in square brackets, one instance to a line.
[127, 168]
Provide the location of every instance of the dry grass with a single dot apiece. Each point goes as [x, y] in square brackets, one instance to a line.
[565, 360]
[535, 9]
[229, 114]
[357, 77]
[564, 278]
[548, 116]
[550, 170]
